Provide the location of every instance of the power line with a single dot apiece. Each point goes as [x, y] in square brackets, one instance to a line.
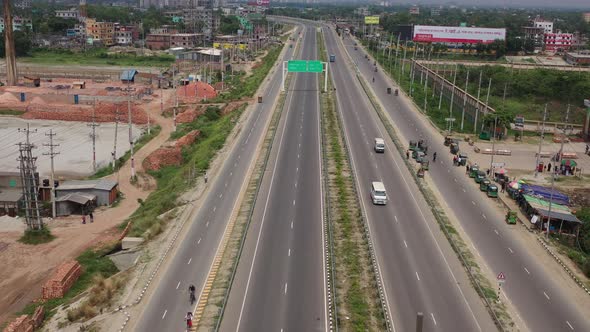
[52, 154]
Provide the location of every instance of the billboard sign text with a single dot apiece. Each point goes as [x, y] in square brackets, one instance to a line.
[371, 19]
[442, 34]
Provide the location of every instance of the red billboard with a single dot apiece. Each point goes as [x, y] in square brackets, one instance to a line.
[442, 34]
[262, 3]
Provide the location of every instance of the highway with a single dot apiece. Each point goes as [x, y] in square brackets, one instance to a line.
[280, 283]
[419, 269]
[537, 296]
[196, 248]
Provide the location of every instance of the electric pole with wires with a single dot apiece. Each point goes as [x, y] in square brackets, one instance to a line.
[29, 181]
[93, 125]
[51, 155]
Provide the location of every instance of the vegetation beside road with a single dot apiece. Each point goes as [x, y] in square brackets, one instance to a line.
[94, 57]
[12, 112]
[172, 181]
[40, 236]
[357, 296]
[579, 251]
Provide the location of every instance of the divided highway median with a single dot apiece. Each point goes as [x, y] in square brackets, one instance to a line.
[358, 304]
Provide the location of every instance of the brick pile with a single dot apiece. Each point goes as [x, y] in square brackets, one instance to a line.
[188, 139]
[65, 276]
[105, 112]
[169, 155]
[189, 115]
[164, 156]
[20, 324]
[38, 316]
[232, 107]
[196, 91]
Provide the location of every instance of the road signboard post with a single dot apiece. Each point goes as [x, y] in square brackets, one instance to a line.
[450, 121]
[501, 280]
[499, 164]
[305, 66]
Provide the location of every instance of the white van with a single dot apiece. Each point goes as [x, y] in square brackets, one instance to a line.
[378, 194]
[379, 145]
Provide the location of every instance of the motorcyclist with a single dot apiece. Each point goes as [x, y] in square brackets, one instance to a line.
[434, 157]
[373, 79]
[191, 293]
[189, 320]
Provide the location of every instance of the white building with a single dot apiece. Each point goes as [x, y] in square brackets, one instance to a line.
[123, 37]
[68, 13]
[547, 26]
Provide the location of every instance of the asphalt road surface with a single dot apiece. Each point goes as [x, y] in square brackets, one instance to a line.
[420, 271]
[169, 302]
[280, 283]
[536, 296]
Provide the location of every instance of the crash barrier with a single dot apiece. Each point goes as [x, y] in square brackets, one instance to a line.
[65, 276]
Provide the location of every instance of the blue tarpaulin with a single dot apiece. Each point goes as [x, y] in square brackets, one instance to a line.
[128, 75]
[545, 193]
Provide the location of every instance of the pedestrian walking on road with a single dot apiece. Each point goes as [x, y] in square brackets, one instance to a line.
[83, 219]
[91, 217]
[407, 154]
[205, 177]
[467, 169]
[549, 167]
[587, 148]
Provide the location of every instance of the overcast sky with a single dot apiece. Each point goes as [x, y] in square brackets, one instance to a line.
[584, 4]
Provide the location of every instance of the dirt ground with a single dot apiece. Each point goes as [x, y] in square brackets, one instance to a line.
[32, 265]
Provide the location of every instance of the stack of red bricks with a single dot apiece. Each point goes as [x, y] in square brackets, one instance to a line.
[188, 139]
[38, 316]
[65, 276]
[189, 115]
[20, 324]
[164, 156]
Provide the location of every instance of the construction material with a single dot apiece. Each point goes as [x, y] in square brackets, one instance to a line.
[20, 324]
[65, 276]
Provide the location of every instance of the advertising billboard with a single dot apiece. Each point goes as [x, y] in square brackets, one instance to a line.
[441, 34]
[371, 19]
[265, 3]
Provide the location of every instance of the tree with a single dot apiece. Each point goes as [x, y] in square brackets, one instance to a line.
[229, 24]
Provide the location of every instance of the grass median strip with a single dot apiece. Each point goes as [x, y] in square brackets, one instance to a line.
[357, 297]
[481, 283]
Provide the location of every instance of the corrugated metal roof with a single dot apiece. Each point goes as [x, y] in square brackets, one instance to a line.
[101, 184]
[10, 195]
[79, 198]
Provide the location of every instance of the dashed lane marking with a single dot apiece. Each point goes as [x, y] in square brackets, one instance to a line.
[527, 271]
[417, 276]
[166, 311]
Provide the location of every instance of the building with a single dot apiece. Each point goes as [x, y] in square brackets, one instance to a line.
[68, 13]
[11, 193]
[555, 42]
[79, 197]
[586, 17]
[165, 41]
[125, 34]
[414, 10]
[103, 32]
[18, 24]
[577, 58]
[195, 17]
[435, 12]
[77, 31]
[23, 4]
[547, 26]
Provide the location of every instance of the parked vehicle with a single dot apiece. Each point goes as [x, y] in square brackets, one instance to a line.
[480, 176]
[454, 148]
[493, 191]
[511, 217]
[484, 184]
[378, 193]
[473, 171]
[463, 157]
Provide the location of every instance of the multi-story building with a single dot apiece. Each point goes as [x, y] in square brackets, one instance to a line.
[547, 26]
[23, 4]
[100, 31]
[125, 34]
[414, 10]
[586, 17]
[435, 12]
[18, 24]
[68, 13]
[559, 41]
[166, 40]
[578, 58]
[195, 17]
[77, 31]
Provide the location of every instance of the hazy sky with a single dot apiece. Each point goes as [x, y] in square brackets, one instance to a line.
[584, 4]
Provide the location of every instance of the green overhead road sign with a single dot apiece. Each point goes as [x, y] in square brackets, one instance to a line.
[303, 66]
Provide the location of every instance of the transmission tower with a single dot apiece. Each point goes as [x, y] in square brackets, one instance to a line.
[27, 173]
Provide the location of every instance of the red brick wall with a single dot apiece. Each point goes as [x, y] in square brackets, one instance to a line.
[65, 276]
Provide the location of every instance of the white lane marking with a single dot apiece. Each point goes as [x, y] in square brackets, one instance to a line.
[220, 195]
[298, 156]
[164, 315]
[225, 184]
[512, 252]
[527, 271]
[397, 221]
[207, 224]
[263, 219]
[570, 325]
[198, 242]
[472, 202]
[293, 202]
[455, 180]
[289, 253]
[433, 319]
[297, 169]
[214, 208]
[189, 261]
[285, 288]
[178, 285]
[291, 224]
[417, 276]
[231, 173]
[547, 296]
[448, 171]
[295, 184]
[405, 243]
[484, 216]
[496, 231]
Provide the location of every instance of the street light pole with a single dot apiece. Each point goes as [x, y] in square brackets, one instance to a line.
[541, 141]
[493, 145]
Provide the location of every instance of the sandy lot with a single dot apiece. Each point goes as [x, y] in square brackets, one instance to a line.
[75, 150]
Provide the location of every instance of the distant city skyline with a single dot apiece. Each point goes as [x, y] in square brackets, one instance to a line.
[565, 4]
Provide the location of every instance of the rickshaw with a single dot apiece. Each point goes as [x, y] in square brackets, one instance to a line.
[493, 191]
[473, 171]
[413, 146]
[420, 172]
[511, 217]
[418, 155]
[463, 157]
[449, 140]
[396, 92]
[454, 148]
[480, 176]
[484, 184]
[425, 164]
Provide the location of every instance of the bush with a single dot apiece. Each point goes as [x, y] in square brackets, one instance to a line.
[37, 236]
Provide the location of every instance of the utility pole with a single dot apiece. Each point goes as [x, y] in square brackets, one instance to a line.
[567, 116]
[541, 141]
[116, 132]
[452, 99]
[493, 145]
[52, 154]
[93, 125]
[485, 111]
[465, 100]
[28, 177]
[130, 130]
[442, 87]
[477, 107]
